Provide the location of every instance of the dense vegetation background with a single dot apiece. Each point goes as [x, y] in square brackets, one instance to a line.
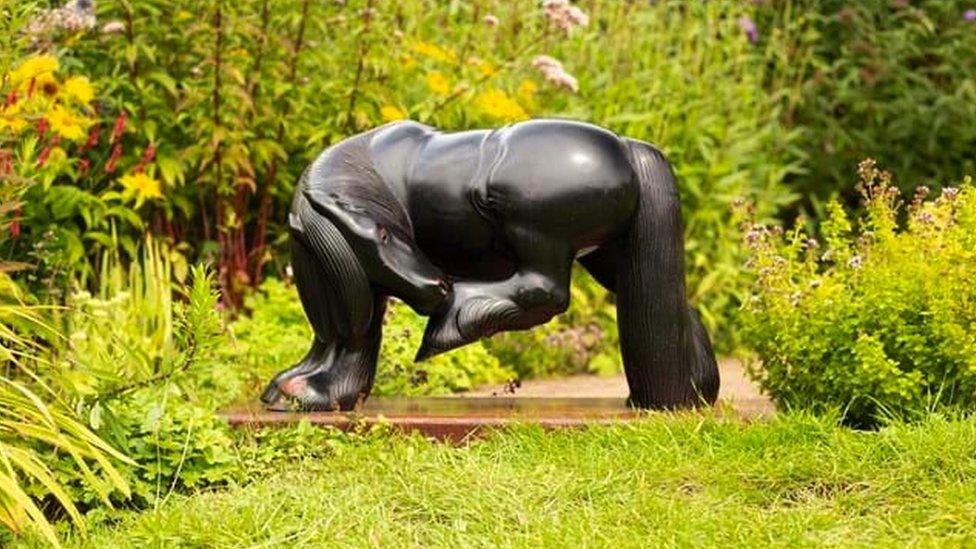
[149, 149]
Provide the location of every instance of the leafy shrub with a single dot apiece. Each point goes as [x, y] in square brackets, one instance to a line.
[876, 321]
[49, 144]
[275, 335]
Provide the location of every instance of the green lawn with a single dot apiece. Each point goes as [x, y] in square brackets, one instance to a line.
[685, 481]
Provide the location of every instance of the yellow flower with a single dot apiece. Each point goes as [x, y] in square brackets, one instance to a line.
[526, 91]
[66, 123]
[44, 83]
[498, 104]
[438, 83]
[408, 61]
[142, 186]
[11, 119]
[80, 89]
[433, 51]
[33, 68]
[392, 112]
[485, 67]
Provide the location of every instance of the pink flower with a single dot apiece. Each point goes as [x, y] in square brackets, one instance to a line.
[491, 20]
[749, 27]
[554, 72]
[565, 16]
[113, 27]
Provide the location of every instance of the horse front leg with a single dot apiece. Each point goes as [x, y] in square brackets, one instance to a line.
[530, 297]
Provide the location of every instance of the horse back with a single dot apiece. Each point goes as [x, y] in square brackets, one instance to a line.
[568, 179]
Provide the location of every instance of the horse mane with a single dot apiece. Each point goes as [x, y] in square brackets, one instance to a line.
[347, 171]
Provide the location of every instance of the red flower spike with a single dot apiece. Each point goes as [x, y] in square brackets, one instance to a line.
[119, 126]
[15, 223]
[113, 160]
[83, 166]
[42, 126]
[93, 136]
[11, 99]
[42, 158]
[6, 163]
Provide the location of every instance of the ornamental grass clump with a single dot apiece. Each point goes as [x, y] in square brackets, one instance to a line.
[877, 321]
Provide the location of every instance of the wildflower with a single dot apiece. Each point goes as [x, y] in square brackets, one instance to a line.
[142, 186]
[498, 104]
[407, 61]
[749, 27]
[47, 84]
[969, 15]
[33, 67]
[433, 51]
[67, 124]
[80, 89]
[926, 217]
[391, 113]
[564, 16]
[554, 72]
[491, 20]
[113, 27]
[950, 193]
[438, 83]
[77, 15]
[855, 262]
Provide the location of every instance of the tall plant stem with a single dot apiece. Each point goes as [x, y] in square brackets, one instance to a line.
[265, 203]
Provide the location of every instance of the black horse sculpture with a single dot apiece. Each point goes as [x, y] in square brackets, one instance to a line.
[479, 231]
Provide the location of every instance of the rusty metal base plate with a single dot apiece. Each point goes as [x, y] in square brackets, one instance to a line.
[448, 418]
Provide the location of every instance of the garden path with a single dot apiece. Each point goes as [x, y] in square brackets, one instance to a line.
[736, 389]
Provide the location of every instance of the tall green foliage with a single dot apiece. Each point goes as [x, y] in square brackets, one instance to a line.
[234, 99]
[889, 80]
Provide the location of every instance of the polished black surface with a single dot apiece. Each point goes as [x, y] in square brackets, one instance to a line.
[479, 230]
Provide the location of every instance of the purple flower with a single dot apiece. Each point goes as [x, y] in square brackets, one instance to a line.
[749, 27]
[969, 15]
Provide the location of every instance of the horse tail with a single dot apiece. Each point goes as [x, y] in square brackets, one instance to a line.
[667, 355]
